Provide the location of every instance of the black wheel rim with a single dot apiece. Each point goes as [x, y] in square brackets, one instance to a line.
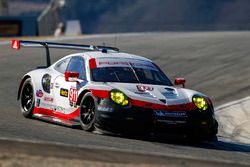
[88, 111]
[27, 97]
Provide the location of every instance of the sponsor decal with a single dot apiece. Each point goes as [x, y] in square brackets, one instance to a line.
[174, 114]
[75, 105]
[71, 104]
[171, 117]
[144, 65]
[172, 122]
[52, 107]
[38, 102]
[113, 63]
[64, 92]
[143, 88]
[73, 94]
[106, 109]
[135, 64]
[47, 105]
[125, 63]
[48, 99]
[146, 94]
[39, 93]
[142, 93]
[59, 108]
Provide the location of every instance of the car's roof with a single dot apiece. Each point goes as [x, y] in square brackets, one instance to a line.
[111, 54]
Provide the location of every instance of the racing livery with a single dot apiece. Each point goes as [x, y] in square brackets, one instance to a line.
[104, 89]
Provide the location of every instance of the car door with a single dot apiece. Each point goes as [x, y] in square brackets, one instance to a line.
[66, 93]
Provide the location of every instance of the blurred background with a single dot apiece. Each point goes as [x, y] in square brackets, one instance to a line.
[74, 17]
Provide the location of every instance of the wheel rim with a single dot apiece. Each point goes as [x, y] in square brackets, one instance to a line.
[88, 111]
[27, 97]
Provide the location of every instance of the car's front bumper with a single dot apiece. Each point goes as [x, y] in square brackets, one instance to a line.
[116, 119]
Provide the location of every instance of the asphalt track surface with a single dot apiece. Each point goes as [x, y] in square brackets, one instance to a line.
[216, 64]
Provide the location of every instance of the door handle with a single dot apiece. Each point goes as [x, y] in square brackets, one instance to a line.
[57, 85]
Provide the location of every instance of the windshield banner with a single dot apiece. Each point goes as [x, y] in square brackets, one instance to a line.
[125, 63]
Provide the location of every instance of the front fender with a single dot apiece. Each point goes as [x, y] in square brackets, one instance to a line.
[79, 99]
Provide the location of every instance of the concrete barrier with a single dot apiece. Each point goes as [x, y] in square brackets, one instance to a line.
[234, 120]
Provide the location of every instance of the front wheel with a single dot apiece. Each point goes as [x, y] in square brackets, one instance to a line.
[87, 112]
[27, 98]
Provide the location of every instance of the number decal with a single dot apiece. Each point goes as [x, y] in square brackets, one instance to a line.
[73, 94]
[15, 44]
[143, 88]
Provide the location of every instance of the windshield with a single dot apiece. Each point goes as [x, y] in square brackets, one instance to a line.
[129, 72]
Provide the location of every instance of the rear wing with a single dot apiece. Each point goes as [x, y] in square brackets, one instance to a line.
[17, 44]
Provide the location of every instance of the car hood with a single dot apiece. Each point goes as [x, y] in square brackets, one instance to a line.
[160, 94]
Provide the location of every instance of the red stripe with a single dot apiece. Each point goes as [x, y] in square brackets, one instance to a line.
[144, 104]
[92, 63]
[100, 93]
[57, 114]
[178, 107]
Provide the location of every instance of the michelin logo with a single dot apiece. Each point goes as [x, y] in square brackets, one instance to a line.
[160, 113]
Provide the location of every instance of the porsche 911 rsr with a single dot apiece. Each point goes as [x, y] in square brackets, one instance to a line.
[102, 88]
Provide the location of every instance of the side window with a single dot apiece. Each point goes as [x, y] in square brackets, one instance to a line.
[62, 65]
[77, 64]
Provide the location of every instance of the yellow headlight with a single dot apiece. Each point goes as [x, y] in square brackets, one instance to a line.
[200, 102]
[119, 97]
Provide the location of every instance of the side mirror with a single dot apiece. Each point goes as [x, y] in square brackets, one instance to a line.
[180, 81]
[71, 76]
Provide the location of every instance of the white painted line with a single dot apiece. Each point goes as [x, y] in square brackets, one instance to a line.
[4, 42]
[235, 102]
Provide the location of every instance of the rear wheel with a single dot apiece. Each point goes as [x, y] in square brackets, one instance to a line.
[27, 98]
[87, 112]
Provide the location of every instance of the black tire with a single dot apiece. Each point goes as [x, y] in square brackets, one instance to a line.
[209, 136]
[88, 112]
[213, 135]
[27, 98]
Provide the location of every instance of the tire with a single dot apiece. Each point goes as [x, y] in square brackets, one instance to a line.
[213, 135]
[27, 98]
[209, 136]
[88, 112]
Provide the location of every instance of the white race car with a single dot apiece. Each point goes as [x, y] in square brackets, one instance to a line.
[111, 91]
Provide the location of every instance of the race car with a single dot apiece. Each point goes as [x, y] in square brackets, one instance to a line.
[104, 89]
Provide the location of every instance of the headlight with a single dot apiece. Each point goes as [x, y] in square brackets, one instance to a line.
[200, 102]
[119, 97]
